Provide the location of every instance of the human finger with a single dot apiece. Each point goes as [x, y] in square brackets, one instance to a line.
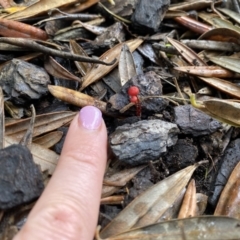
[68, 207]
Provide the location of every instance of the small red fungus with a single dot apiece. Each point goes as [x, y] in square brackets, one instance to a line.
[134, 99]
[133, 91]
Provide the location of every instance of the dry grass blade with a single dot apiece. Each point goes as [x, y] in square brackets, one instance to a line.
[56, 70]
[208, 71]
[224, 86]
[126, 65]
[229, 201]
[39, 7]
[49, 139]
[193, 5]
[44, 123]
[150, 205]
[121, 178]
[206, 227]
[46, 158]
[188, 208]
[2, 120]
[76, 98]
[189, 55]
[227, 62]
[99, 71]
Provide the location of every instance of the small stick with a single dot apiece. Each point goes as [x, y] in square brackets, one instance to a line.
[22, 42]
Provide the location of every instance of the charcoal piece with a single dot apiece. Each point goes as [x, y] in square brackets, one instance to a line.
[148, 15]
[182, 154]
[58, 147]
[143, 141]
[149, 84]
[192, 121]
[139, 61]
[121, 8]
[113, 35]
[20, 178]
[23, 82]
[147, 51]
[226, 165]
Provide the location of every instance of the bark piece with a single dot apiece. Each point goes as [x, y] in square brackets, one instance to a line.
[149, 14]
[195, 122]
[20, 178]
[23, 82]
[143, 141]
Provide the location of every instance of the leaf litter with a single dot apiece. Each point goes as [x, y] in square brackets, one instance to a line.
[95, 65]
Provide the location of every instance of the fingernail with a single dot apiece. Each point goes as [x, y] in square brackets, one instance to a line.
[90, 117]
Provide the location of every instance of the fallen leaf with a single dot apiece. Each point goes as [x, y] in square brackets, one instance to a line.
[208, 71]
[43, 123]
[223, 85]
[229, 201]
[76, 98]
[150, 205]
[83, 67]
[40, 7]
[205, 227]
[189, 204]
[126, 65]
[222, 110]
[48, 140]
[99, 71]
[121, 178]
[188, 54]
[46, 158]
[56, 70]
[227, 62]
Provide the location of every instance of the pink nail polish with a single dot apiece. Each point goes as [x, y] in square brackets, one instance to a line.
[90, 117]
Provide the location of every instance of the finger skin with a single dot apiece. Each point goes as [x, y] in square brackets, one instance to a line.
[68, 208]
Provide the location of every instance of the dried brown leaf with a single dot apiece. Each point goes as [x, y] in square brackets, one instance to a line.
[126, 65]
[188, 208]
[229, 202]
[39, 8]
[83, 67]
[208, 71]
[188, 54]
[223, 110]
[150, 205]
[227, 62]
[221, 34]
[44, 123]
[223, 85]
[99, 71]
[205, 227]
[46, 158]
[56, 70]
[49, 140]
[202, 201]
[121, 178]
[76, 98]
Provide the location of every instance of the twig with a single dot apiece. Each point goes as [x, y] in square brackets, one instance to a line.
[22, 42]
